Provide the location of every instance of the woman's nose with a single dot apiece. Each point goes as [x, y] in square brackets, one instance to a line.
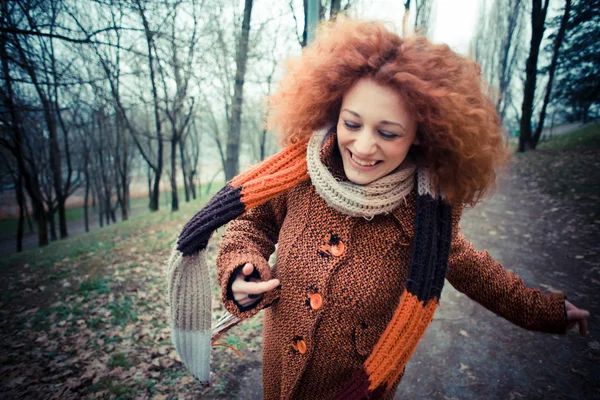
[365, 143]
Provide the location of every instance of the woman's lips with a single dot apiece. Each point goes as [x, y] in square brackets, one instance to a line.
[359, 166]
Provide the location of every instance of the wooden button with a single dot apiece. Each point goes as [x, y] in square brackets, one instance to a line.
[316, 301]
[338, 249]
[301, 346]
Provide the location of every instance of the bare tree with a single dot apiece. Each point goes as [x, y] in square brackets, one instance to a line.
[405, 18]
[538, 18]
[233, 137]
[179, 107]
[497, 47]
[38, 60]
[335, 9]
[558, 39]
[13, 138]
[423, 16]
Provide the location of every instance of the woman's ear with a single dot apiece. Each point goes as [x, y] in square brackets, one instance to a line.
[416, 142]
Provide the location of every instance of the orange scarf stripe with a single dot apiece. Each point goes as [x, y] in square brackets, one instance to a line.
[399, 340]
[288, 155]
[411, 346]
[258, 191]
[402, 316]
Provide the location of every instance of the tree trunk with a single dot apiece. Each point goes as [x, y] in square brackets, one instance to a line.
[126, 202]
[86, 217]
[31, 179]
[100, 211]
[405, 18]
[113, 215]
[122, 168]
[184, 167]
[28, 217]
[538, 16]
[155, 199]
[233, 139]
[192, 186]
[107, 207]
[505, 67]
[557, 43]
[149, 187]
[335, 9]
[174, 194]
[21, 201]
[50, 216]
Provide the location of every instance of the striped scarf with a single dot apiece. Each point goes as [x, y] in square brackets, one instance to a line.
[188, 274]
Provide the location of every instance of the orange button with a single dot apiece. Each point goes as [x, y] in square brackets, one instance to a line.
[338, 249]
[316, 301]
[301, 346]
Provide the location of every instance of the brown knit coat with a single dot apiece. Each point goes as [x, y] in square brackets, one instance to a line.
[359, 288]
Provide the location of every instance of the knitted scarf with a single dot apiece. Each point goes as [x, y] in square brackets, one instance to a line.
[188, 274]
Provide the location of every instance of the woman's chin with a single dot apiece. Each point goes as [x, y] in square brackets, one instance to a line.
[360, 178]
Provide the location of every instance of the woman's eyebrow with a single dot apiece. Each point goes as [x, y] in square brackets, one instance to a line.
[357, 115]
[352, 112]
[393, 123]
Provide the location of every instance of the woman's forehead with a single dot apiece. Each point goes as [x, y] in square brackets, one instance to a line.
[367, 99]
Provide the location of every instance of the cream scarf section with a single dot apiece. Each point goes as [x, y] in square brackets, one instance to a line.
[379, 197]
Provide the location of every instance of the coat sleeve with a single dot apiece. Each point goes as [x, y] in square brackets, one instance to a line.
[483, 279]
[250, 238]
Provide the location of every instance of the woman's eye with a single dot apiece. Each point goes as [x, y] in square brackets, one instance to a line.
[387, 135]
[351, 125]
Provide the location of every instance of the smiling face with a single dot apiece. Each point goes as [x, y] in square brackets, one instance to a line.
[374, 132]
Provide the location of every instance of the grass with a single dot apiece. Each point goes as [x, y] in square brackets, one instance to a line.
[94, 306]
[567, 167]
[587, 138]
[114, 387]
[104, 239]
[139, 206]
[119, 360]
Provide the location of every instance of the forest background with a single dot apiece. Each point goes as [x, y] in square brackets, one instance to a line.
[106, 102]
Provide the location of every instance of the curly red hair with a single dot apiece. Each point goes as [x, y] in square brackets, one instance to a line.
[461, 138]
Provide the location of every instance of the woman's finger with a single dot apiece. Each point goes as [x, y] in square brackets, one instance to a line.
[255, 287]
[243, 297]
[583, 327]
[247, 270]
[577, 314]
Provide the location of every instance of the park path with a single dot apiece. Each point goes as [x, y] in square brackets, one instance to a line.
[470, 353]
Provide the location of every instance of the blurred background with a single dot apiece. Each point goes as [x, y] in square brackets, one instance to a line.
[107, 104]
[119, 118]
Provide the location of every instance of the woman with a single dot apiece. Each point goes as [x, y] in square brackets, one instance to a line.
[386, 141]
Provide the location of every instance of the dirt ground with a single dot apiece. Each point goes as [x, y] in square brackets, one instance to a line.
[470, 353]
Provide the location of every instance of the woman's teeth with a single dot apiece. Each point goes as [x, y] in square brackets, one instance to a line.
[363, 163]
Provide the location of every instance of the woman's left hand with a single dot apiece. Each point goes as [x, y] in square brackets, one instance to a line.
[576, 316]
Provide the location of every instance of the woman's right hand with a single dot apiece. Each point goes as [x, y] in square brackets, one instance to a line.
[249, 290]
